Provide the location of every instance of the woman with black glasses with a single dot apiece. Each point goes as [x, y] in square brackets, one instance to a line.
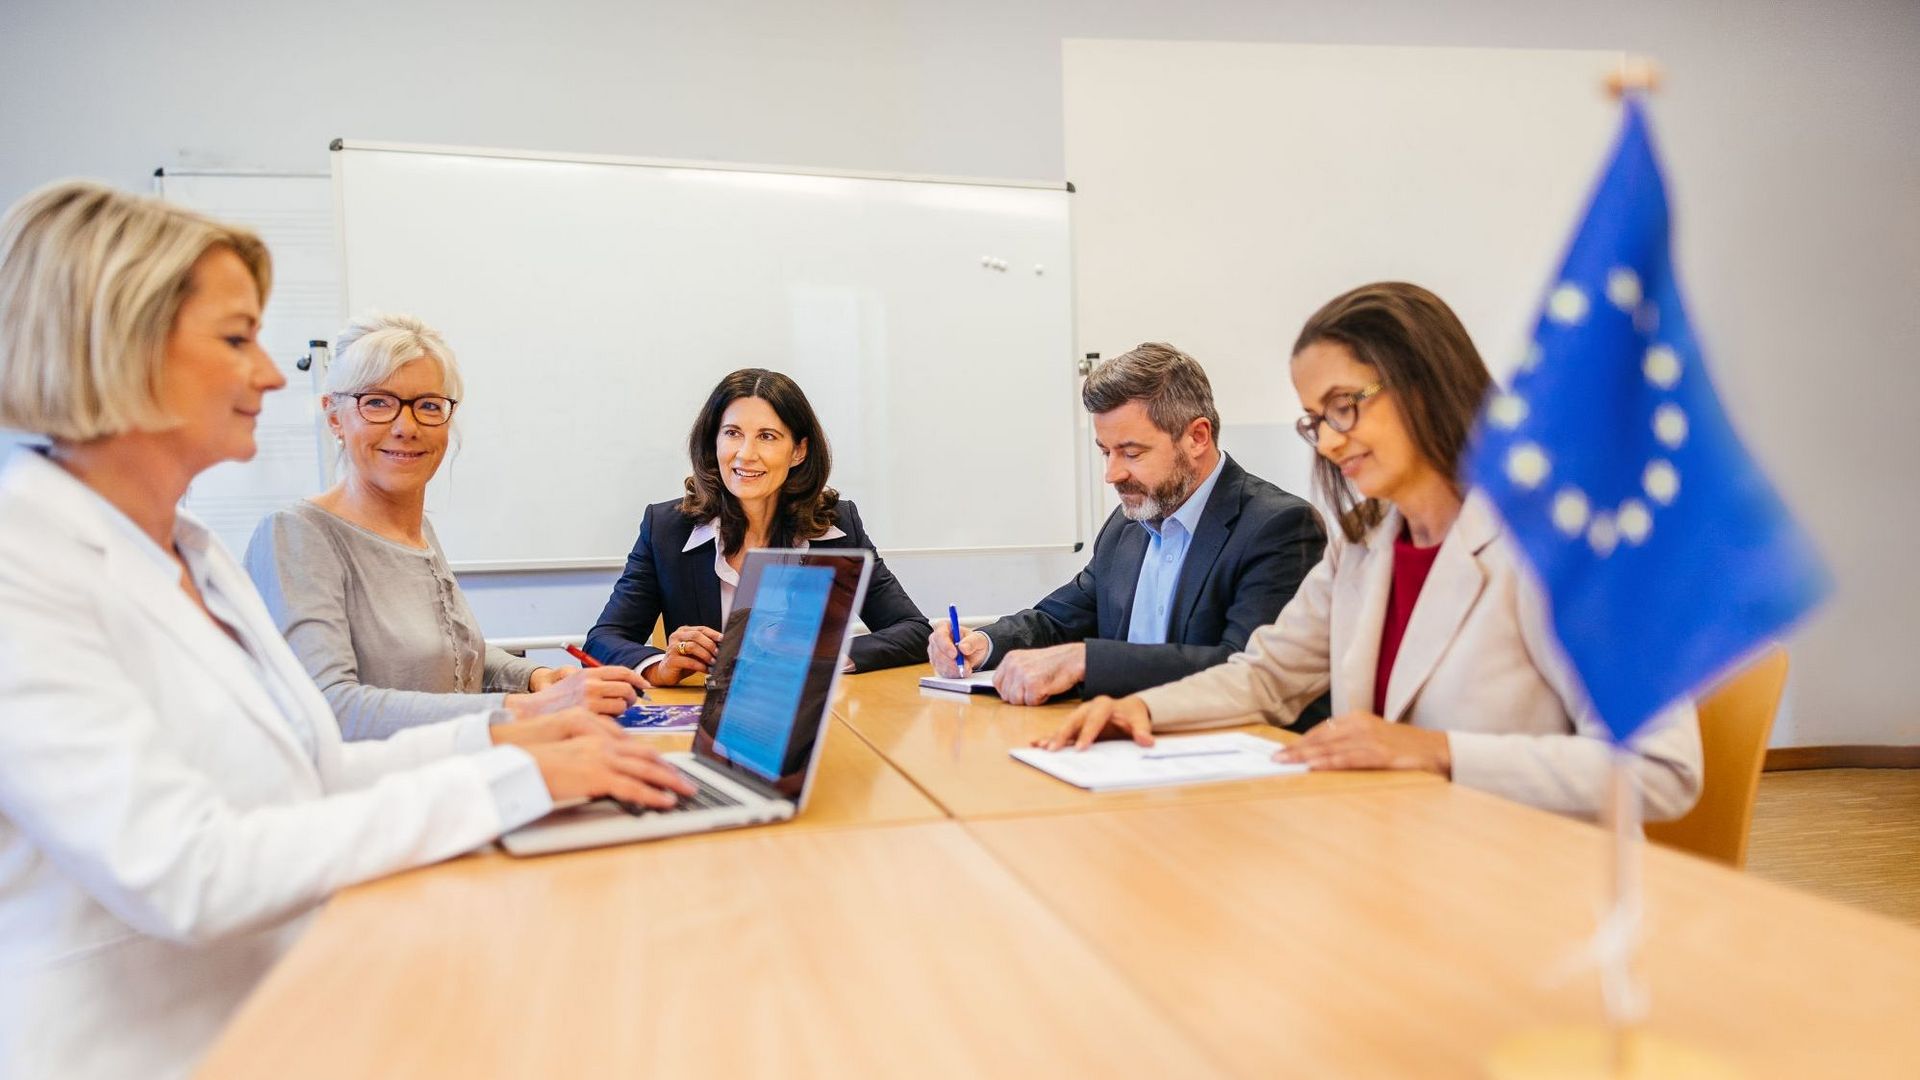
[355, 578]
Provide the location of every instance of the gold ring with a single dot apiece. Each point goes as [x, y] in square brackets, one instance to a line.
[683, 647]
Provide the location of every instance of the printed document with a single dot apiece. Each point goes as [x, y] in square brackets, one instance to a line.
[1121, 764]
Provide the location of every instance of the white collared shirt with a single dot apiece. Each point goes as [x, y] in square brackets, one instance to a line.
[709, 533]
[729, 577]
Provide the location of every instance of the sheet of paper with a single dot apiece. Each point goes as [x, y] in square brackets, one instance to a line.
[980, 682]
[1188, 759]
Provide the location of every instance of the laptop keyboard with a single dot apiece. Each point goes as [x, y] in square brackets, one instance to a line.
[705, 797]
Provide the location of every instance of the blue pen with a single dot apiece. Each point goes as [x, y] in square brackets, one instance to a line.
[953, 621]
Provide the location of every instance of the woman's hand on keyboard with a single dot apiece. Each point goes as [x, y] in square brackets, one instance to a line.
[590, 766]
[553, 728]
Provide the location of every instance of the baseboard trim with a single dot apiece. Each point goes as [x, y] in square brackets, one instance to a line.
[1786, 758]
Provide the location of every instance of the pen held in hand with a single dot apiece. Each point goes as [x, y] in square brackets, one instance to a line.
[959, 655]
[587, 661]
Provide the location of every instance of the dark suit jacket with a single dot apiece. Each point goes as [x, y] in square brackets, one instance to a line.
[1254, 545]
[661, 581]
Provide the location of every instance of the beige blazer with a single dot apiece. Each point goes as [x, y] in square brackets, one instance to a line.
[1479, 661]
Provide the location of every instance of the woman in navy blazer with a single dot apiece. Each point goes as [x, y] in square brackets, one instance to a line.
[760, 466]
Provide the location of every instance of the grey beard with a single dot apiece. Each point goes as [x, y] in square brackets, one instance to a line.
[1156, 504]
[1148, 510]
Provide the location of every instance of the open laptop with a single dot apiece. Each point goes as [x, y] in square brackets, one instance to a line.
[762, 724]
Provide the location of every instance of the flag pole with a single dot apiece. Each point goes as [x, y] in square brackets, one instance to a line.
[1624, 993]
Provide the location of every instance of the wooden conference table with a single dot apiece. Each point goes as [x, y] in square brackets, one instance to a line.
[941, 910]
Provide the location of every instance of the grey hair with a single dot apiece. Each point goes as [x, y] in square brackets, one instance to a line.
[1169, 382]
[375, 345]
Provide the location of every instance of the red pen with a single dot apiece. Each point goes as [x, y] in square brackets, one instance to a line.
[586, 661]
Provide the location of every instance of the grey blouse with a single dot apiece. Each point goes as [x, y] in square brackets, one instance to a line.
[381, 627]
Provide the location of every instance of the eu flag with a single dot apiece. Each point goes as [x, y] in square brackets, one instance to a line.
[1665, 554]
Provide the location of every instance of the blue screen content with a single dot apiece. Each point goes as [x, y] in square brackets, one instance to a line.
[771, 671]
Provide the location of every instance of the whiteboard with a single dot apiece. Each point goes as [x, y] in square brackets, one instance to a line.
[594, 302]
[294, 215]
[1227, 190]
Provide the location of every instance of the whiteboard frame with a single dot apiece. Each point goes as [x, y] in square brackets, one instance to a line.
[512, 566]
[685, 163]
[162, 172]
[1085, 505]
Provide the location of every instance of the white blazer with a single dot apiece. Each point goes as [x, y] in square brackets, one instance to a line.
[1479, 660]
[163, 822]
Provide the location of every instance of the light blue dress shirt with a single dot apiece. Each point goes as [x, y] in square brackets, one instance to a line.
[1167, 547]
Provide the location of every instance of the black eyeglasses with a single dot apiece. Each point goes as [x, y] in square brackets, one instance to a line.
[1343, 411]
[379, 407]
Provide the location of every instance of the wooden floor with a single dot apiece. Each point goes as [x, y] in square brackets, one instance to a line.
[1851, 835]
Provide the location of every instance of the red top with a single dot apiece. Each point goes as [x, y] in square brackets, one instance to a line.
[1410, 566]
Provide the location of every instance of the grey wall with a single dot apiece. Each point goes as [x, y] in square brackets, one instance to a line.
[1792, 134]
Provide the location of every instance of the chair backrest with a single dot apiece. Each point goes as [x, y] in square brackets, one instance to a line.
[1735, 721]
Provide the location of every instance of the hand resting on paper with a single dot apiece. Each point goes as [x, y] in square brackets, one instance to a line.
[1103, 717]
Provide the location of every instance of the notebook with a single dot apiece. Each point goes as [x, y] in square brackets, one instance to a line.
[980, 682]
[1123, 764]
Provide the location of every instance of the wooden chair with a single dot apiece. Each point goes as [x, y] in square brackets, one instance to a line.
[1735, 721]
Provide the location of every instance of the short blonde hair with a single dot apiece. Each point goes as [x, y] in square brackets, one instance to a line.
[90, 282]
[375, 345]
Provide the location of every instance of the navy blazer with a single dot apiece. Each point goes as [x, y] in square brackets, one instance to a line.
[1254, 545]
[662, 581]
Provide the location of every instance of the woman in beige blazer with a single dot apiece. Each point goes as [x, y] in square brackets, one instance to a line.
[1475, 687]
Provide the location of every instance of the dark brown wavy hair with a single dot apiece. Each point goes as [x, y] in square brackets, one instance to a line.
[1421, 352]
[806, 507]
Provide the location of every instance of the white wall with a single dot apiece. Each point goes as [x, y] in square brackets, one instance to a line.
[1791, 132]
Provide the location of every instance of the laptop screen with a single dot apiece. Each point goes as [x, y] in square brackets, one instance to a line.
[780, 653]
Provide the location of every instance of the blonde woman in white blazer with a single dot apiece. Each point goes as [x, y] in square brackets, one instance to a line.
[1474, 686]
[174, 793]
